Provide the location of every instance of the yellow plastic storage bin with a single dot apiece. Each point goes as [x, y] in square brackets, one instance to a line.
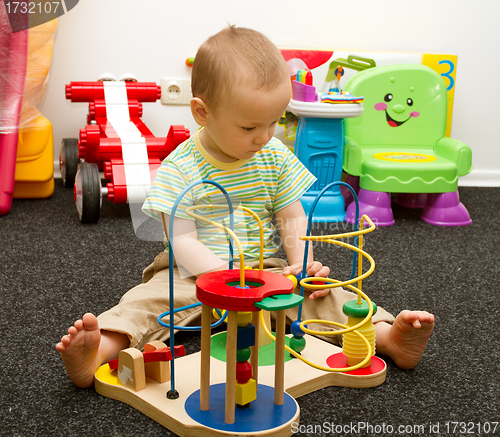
[35, 161]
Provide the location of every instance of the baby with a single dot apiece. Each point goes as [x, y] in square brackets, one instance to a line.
[241, 88]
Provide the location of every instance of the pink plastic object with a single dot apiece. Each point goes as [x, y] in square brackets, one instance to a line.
[303, 92]
[13, 61]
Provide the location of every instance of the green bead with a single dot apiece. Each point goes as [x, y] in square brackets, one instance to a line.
[298, 344]
[243, 354]
[352, 309]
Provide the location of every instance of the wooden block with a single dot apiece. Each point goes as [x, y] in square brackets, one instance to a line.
[246, 392]
[131, 371]
[158, 371]
[245, 337]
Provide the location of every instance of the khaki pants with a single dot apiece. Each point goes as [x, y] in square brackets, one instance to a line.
[137, 312]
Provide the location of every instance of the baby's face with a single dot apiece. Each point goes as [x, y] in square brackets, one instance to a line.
[244, 123]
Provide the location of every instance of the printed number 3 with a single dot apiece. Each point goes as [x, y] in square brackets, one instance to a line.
[448, 73]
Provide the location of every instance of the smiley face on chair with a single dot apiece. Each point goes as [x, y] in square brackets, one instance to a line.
[399, 107]
[399, 143]
[405, 105]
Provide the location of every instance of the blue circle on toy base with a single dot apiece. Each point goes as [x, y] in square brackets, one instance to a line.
[261, 415]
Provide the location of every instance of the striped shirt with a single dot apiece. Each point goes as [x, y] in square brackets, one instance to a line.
[271, 180]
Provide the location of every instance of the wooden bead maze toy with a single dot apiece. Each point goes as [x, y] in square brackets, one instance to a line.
[235, 395]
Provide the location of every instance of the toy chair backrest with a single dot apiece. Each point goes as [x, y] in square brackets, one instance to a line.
[403, 104]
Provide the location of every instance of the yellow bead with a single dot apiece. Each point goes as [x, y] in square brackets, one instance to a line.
[244, 318]
[293, 279]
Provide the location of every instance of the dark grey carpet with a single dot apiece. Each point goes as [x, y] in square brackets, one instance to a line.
[53, 269]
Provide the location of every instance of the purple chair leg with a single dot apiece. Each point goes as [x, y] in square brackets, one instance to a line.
[353, 181]
[375, 204]
[411, 200]
[445, 209]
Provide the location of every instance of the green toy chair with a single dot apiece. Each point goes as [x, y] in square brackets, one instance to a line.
[398, 145]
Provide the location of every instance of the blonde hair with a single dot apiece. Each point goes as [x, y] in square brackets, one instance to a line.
[236, 56]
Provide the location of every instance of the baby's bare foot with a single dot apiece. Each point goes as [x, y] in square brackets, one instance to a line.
[80, 350]
[408, 336]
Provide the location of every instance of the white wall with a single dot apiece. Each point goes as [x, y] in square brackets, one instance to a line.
[153, 38]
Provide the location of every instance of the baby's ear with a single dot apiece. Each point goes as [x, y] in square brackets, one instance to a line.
[199, 109]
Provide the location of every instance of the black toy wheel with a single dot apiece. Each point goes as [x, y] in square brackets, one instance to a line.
[68, 161]
[87, 190]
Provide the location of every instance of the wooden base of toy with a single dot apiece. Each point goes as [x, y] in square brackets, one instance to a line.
[177, 415]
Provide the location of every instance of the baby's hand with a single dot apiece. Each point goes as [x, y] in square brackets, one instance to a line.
[312, 269]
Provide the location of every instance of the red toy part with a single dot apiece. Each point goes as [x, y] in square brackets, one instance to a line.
[115, 141]
[90, 91]
[100, 143]
[244, 372]
[155, 355]
[97, 109]
[114, 170]
[312, 58]
[221, 289]
[340, 360]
